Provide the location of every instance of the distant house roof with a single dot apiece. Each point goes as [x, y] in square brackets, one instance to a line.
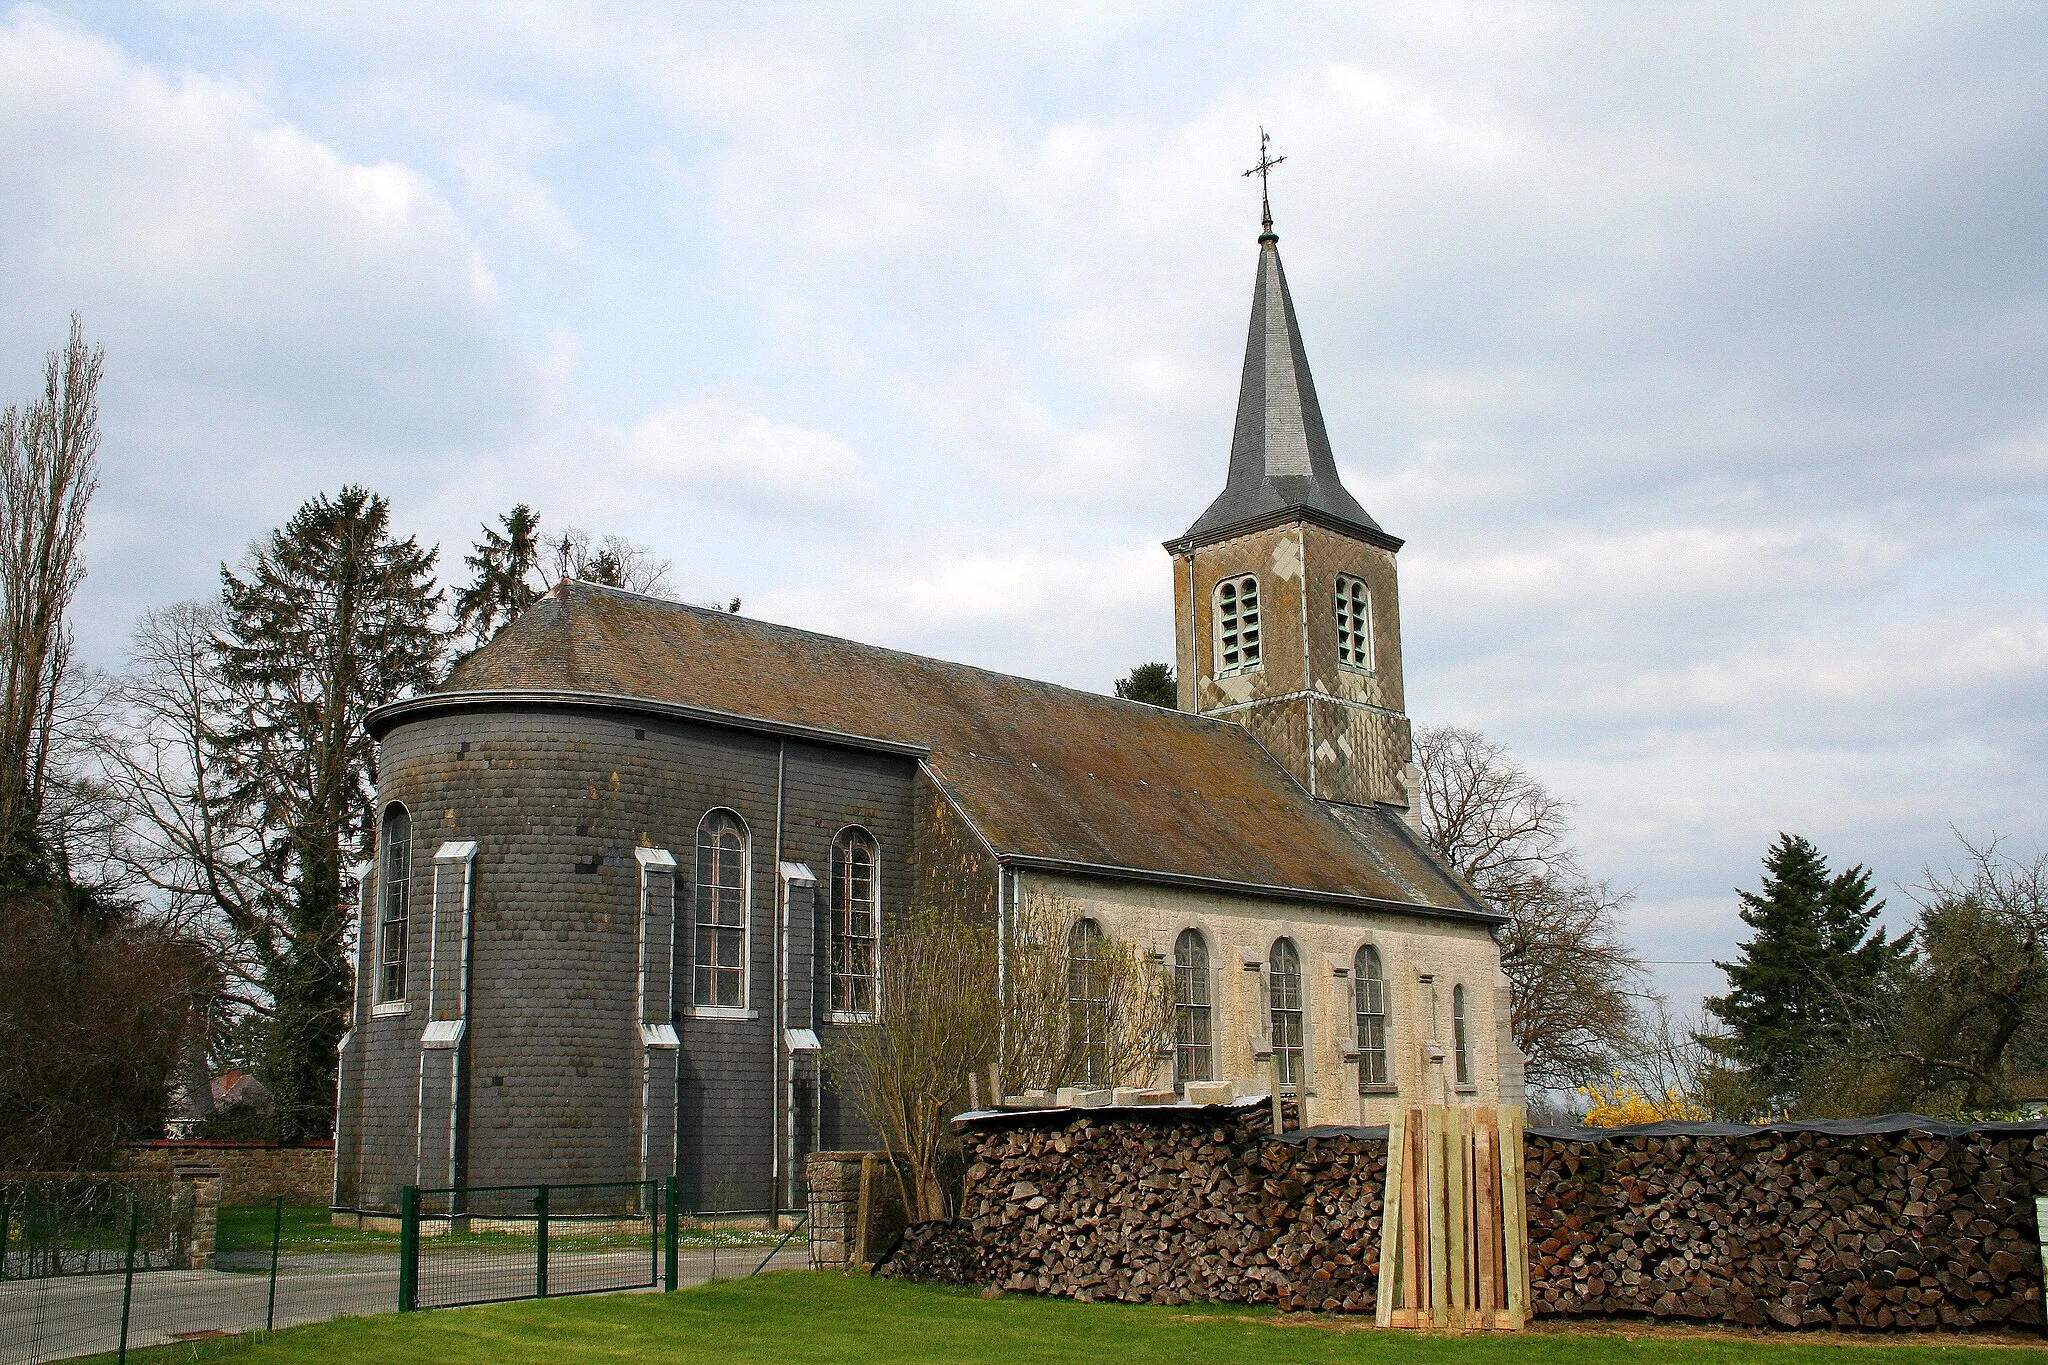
[1049, 776]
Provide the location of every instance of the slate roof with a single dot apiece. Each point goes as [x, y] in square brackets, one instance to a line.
[1049, 775]
[1280, 461]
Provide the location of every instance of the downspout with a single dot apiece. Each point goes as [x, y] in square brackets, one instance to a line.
[455, 1070]
[779, 987]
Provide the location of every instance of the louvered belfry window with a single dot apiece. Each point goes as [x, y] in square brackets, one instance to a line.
[721, 910]
[1191, 1020]
[1369, 992]
[1283, 989]
[855, 920]
[1354, 623]
[1237, 624]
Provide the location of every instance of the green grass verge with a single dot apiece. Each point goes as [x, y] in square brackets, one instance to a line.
[802, 1316]
[308, 1228]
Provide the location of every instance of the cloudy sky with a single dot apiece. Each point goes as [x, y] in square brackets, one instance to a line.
[1700, 353]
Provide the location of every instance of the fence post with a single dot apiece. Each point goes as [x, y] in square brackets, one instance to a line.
[672, 1203]
[540, 1260]
[409, 1249]
[128, 1273]
[6, 1225]
[276, 1237]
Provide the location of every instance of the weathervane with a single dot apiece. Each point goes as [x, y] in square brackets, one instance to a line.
[1262, 170]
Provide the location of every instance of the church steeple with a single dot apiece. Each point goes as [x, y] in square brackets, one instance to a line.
[1280, 460]
[1286, 607]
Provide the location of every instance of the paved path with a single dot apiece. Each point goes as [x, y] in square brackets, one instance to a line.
[81, 1315]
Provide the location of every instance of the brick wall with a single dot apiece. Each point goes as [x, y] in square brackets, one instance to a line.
[251, 1172]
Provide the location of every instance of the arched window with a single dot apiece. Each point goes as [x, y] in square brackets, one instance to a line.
[856, 920]
[1237, 624]
[1354, 623]
[721, 910]
[1461, 1035]
[1369, 999]
[1088, 1000]
[1191, 1034]
[1283, 996]
[394, 900]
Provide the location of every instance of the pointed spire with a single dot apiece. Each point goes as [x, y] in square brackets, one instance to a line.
[1280, 460]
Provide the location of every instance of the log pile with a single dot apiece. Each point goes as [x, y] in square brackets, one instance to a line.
[1894, 1230]
[1899, 1230]
[1174, 1207]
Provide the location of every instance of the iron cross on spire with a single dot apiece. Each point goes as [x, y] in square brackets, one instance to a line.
[1265, 168]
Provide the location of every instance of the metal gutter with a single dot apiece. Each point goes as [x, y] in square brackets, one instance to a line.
[1339, 899]
[381, 721]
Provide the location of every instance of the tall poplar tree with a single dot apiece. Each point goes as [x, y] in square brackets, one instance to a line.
[328, 617]
[1812, 970]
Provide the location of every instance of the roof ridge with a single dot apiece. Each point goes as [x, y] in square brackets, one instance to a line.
[714, 613]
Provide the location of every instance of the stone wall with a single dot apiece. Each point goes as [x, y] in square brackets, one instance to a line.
[1915, 1225]
[251, 1172]
[856, 1209]
[1424, 960]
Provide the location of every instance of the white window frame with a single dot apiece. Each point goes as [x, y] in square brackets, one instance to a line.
[1354, 625]
[744, 1009]
[1093, 1008]
[845, 838]
[1231, 627]
[1185, 974]
[1303, 1081]
[1385, 1051]
[387, 1002]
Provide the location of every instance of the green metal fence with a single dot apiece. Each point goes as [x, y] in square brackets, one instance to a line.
[491, 1244]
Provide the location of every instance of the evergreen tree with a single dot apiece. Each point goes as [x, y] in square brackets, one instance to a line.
[1152, 683]
[504, 564]
[1811, 971]
[329, 617]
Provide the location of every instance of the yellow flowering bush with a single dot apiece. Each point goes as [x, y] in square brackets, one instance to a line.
[1623, 1106]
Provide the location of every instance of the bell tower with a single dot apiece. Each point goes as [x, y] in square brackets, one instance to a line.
[1286, 610]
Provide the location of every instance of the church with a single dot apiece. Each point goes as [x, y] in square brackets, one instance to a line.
[637, 860]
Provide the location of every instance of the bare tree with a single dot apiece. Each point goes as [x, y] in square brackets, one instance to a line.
[1576, 989]
[613, 561]
[196, 857]
[953, 1005]
[49, 467]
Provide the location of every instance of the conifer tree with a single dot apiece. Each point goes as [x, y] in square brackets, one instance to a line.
[1811, 971]
[504, 565]
[329, 617]
[1152, 683]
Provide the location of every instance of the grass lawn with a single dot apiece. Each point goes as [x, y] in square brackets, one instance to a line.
[307, 1228]
[800, 1316]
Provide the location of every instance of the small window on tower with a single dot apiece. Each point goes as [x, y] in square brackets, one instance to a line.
[1354, 623]
[1237, 625]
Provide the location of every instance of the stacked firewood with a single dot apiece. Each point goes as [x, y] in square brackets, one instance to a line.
[1894, 1230]
[1173, 1207]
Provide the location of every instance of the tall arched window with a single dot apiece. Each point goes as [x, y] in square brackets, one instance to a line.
[1354, 623]
[1461, 1035]
[721, 910]
[856, 921]
[394, 901]
[1369, 996]
[1283, 996]
[1237, 624]
[1088, 1000]
[1191, 1033]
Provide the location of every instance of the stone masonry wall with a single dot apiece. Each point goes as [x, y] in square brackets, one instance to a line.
[1793, 1226]
[251, 1172]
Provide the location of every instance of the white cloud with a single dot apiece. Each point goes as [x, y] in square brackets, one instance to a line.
[721, 454]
